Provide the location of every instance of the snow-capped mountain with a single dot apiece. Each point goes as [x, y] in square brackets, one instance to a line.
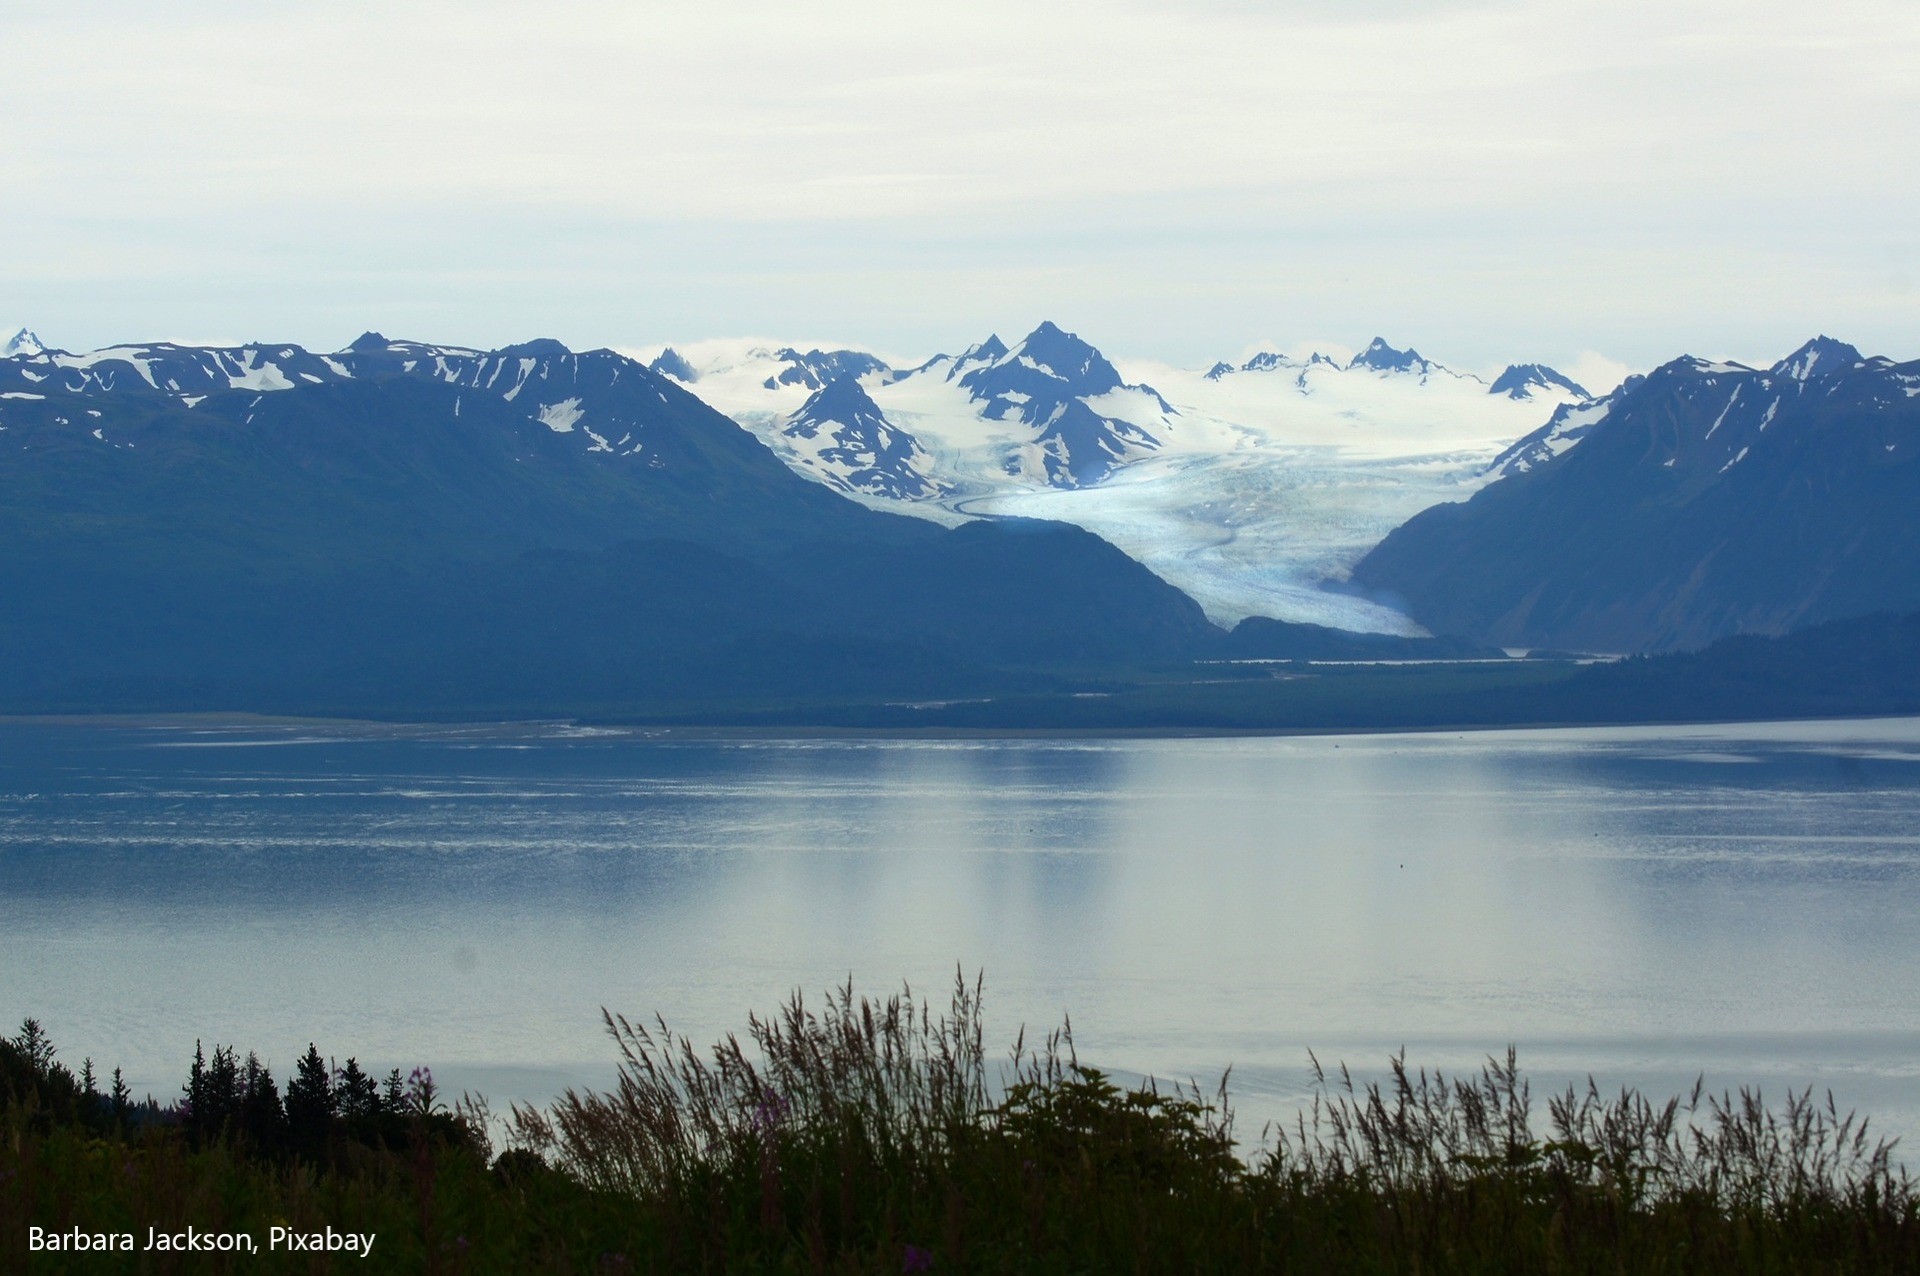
[21, 343]
[404, 524]
[1381, 357]
[179, 371]
[1703, 499]
[1247, 483]
[1569, 423]
[1051, 411]
[1530, 380]
[841, 434]
[1075, 400]
[1818, 357]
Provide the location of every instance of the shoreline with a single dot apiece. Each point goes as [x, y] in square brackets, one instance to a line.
[590, 728]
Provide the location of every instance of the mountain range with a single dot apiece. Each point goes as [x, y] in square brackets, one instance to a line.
[1702, 500]
[426, 527]
[401, 525]
[1245, 484]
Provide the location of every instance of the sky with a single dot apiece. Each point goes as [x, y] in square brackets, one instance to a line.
[1593, 185]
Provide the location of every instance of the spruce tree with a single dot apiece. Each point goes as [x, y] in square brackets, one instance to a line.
[223, 1091]
[261, 1116]
[33, 1043]
[196, 1089]
[120, 1099]
[311, 1102]
[358, 1093]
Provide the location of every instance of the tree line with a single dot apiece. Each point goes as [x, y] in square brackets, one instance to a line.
[229, 1100]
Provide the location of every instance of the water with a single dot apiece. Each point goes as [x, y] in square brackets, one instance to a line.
[1645, 904]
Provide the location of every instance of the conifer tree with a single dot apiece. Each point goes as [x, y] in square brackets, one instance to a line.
[223, 1091]
[311, 1102]
[261, 1116]
[120, 1099]
[358, 1093]
[33, 1043]
[196, 1088]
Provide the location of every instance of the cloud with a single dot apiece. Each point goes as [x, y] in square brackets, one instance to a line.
[1561, 168]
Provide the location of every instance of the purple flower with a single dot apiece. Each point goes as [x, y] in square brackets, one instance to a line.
[769, 1113]
[917, 1260]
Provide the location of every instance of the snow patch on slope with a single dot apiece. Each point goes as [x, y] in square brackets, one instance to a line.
[560, 417]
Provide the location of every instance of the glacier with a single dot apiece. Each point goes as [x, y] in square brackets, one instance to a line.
[1253, 486]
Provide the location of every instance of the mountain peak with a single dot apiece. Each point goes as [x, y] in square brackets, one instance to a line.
[1065, 356]
[369, 343]
[812, 369]
[1818, 357]
[1266, 361]
[841, 399]
[1520, 380]
[988, 350]
[1382, 357]
[22, 345]
[672, 363]
[538, 348]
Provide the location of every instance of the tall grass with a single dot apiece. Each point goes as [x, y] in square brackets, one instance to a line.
[880, 1135]
[1424, 1130]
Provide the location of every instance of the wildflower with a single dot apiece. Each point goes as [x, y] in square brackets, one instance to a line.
[917, 1260]
[769, 1113]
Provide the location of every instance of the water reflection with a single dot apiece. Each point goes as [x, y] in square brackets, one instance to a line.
[1646, 903]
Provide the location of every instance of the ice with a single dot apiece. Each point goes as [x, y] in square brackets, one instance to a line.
[137, 357]
[1723, 411]
[559, 417]
[20, 394]
[247, 375]
[520, 382]
[1266, 484]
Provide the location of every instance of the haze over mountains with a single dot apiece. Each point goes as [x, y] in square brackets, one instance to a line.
[404, 524]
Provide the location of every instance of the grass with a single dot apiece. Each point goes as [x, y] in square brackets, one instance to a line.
[879, 1135]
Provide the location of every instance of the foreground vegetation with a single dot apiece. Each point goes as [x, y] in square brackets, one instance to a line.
[875, 1136]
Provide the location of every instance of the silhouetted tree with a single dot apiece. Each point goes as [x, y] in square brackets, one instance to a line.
[195, 1091]
[261, 1117]
[34, 1044]
[311, 1102]
[120, 1100]
[359, 1096]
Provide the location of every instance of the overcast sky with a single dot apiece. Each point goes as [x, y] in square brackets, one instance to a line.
[1569, 182]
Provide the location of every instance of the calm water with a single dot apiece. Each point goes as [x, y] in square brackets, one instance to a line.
[1646, 904]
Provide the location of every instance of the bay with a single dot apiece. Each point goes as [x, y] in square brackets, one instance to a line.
[1646, 904]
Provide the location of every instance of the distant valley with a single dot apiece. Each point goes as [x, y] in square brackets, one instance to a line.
[1245, 483]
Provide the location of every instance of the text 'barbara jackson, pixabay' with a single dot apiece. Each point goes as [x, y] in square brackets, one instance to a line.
[193, 1240]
